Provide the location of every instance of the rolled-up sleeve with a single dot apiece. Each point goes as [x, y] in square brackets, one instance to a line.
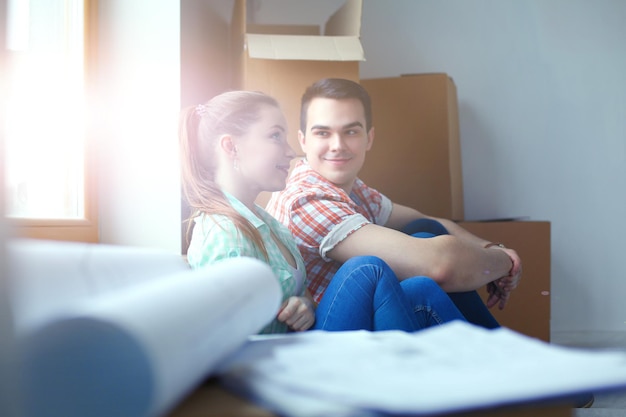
[320, 222]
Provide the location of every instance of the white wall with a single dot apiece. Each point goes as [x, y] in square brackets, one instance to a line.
[542, 95]
[139, 83]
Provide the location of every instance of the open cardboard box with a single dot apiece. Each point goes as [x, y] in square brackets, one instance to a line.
[282, 60]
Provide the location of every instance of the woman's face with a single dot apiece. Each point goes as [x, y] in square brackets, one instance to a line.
[263, 155]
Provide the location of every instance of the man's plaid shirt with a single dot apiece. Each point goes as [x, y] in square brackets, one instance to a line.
[320, 215]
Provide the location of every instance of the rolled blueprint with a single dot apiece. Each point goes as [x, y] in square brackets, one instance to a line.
[134, 350]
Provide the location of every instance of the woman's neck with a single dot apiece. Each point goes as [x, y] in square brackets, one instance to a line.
[238, 190]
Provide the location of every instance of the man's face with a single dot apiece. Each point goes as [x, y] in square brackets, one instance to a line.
[336, 139]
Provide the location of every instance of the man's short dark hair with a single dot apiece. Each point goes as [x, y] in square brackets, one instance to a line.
[338, 89]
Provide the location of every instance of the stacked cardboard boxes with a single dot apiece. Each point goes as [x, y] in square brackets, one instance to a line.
[416, 161]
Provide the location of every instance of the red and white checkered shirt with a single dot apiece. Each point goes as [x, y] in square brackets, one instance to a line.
[320, 215]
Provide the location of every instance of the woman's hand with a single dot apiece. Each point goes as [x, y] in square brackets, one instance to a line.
[298, 313]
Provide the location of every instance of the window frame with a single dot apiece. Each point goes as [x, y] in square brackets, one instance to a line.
[85, 229]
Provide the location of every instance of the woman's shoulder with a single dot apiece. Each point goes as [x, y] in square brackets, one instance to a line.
[209, 222]
[214, 231]
[216, 237]
[267, 217]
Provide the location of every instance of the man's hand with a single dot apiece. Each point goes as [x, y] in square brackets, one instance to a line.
[298, 313]
[497, 295]
[500, 289]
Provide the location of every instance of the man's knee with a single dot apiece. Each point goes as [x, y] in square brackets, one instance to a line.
[429, 226]
[420, 284]
[368, 260]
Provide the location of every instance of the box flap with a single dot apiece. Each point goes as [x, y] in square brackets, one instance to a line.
[311, 48]
[346, 21]
[283, 29]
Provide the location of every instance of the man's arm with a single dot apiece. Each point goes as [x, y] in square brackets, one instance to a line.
[454, 263]
[500, 290]
[403, 215]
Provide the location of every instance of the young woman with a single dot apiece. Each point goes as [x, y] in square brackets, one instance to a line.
[233, 147]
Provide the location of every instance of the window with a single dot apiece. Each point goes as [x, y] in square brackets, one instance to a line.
[48, 190]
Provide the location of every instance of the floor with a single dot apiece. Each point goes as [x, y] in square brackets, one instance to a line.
[605, 405]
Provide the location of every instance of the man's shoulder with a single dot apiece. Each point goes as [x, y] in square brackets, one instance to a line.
[304, 191]
[361, 186]
[293, 194]
[304, 175]
[298, 197]
[302, 184]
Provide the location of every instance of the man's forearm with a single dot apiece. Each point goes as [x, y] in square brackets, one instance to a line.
[468, 266]
[456, 264]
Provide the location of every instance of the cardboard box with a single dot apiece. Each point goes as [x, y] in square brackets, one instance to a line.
[416, 156]
[282, 60]
[528, 309]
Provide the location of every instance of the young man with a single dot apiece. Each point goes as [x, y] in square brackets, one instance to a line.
[334, 216]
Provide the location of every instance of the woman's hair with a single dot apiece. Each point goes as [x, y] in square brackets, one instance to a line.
[200, 128]
[338, 89]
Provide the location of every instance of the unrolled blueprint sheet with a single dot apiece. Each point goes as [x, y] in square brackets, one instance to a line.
[454, 367]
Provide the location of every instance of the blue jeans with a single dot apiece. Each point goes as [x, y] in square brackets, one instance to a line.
[469, 302]
[365, 294]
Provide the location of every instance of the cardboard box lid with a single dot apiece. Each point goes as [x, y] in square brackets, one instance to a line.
[314, 48]
[340, 41]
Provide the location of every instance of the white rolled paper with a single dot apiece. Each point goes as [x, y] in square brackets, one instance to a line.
[137, 351]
